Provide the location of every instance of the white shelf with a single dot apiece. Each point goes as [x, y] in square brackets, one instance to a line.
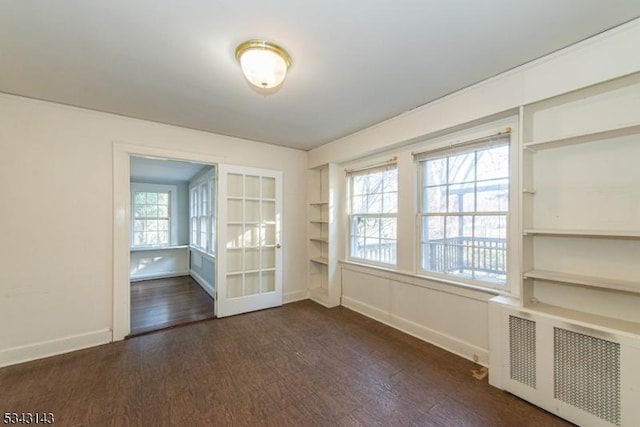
[587, 319]
[614, 234]
[319, 221]
[583, 137]
[595, 282]
[319, 203]
[320, 260]
[319, 239]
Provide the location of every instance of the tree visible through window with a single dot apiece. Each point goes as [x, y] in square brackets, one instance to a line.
[151, 218]
[373, 214]
[463, 218]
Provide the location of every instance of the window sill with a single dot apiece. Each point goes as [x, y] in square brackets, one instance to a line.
[157, 248]
[196, 249]
[430, 282]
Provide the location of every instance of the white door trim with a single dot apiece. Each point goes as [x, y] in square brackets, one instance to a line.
[122, 151]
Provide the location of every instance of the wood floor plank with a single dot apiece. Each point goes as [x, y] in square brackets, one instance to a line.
[318, 367]
[162, 303]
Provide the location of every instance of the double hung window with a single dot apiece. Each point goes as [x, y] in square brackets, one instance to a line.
[373, 196]
[463, 211]
[152, 215]
[202, 213]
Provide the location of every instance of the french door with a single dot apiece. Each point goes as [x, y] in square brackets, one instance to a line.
[249, 267]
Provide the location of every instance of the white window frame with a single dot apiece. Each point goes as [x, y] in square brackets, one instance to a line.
[351, 215]
[463, 148]
[173, 211]
[194, 199]
[200, 214]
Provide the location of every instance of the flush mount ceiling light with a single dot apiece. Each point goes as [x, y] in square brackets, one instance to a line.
[263, 63]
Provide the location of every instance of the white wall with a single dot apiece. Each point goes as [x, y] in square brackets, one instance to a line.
[203, 269]
[159, 262]
[56, 223]
[447, 315]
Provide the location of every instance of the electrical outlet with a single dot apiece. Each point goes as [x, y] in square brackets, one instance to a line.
[476, 358]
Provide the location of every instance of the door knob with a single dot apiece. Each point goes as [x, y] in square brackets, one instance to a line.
[278, 246]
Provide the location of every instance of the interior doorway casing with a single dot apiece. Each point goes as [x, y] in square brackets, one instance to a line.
[121, 221]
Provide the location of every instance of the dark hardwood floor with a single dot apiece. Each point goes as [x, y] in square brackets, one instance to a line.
[297, 365]
[162, 303]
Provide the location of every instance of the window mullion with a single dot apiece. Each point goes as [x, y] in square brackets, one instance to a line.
[366, 241]
[479, 259]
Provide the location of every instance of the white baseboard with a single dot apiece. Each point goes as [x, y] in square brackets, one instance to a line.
[367, 310]
[15, 355]
[208, 287]
[451, 344]
[140, 277]
[295, 296]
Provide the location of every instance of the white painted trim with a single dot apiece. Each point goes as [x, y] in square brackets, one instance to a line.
[21, 354]
[122, 151]
[436, 284]
[446, 342]
[320, 300]
[295, 296]
[367, 310]
[208, 287]
[204, 254]
[141, 277]
[452, 344]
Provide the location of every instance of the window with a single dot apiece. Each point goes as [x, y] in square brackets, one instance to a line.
[194, 216]
[373, 214]
[202, 211]
[464, 202]
[151, 213]
[204, 216]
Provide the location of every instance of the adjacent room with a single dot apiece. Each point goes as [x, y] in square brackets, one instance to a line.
[172, 258]
[322, 213]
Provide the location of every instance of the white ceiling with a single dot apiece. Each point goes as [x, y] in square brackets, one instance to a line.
[355, 63]
[162, 171]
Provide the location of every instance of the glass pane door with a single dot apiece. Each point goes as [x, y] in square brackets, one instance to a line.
[250, 277]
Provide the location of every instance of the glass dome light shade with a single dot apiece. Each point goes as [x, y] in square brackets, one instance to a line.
[264, 64]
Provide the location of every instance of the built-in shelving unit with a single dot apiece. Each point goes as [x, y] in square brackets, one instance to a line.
[324, 240]
[577, 279]
[581, 138]
[321, 260]
[323, 286]
[581, 203]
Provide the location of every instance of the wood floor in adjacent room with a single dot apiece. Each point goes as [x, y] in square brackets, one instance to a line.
[297, 365]
[162, 303]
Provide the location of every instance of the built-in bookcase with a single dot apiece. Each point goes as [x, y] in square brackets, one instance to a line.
[581, 202]
[323, 286]
[570, 344]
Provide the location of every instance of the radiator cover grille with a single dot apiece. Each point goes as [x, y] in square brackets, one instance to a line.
[522, 350]
[587, 373]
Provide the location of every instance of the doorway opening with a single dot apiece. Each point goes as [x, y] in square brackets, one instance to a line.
[172, 256]
[246, 234]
